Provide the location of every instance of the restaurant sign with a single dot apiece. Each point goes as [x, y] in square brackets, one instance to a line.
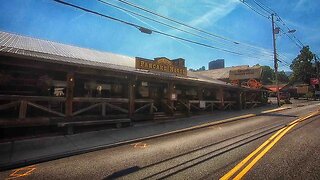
[245, 73]
[162, 65]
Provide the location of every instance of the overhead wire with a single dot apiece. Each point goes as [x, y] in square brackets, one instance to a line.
[284, 24]
[175, 21]
[249, 6]
[184, 24]
[265, 9]
[141, 28]
[265, 53]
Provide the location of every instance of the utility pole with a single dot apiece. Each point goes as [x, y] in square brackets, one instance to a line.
[275, 60]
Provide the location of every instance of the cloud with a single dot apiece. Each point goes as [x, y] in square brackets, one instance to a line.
[306, 6]
[217, 11]
[300, 4]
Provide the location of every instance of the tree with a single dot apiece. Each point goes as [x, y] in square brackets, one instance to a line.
[302, 66]
[282, 77]
[267, 76]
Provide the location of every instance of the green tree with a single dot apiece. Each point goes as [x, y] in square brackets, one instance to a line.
[282, 77]
[267, 76]
[302, 66]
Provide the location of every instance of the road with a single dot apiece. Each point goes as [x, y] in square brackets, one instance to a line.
[207, 153]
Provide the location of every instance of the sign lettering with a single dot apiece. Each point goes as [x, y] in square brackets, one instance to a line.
[162, 65]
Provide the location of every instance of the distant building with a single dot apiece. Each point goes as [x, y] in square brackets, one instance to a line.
[216, 64]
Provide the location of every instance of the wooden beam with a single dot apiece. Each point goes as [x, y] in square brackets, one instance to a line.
[98, 99]
[23, 109]
[103, 109]
[240, 100]
[221, 92]
[170, 91]
[86, 109]
[200, 93]
[143, 107]
[151, 108]
[9, 105]
[69, 94]
[131, 95]
[45, 109]
[117, 108]
[32, 98]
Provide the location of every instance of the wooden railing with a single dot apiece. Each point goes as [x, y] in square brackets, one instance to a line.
[25, 101]
[148, 104]
[101, 104]
[212, 104]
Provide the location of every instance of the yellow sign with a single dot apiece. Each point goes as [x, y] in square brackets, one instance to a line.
[247, 73]
[162, 65]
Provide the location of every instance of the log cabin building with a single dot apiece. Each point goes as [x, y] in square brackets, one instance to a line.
[43, 82]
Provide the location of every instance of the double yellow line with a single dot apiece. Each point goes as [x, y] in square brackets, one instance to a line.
[257, 154]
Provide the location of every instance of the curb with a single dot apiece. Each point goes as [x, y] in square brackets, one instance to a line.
[26, 162]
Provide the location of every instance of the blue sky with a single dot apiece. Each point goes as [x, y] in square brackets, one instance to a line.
[231, 19]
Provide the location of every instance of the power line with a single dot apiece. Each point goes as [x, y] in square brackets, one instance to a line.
[249, 6]
[295, 42]
[182, 30]
[258, 4]
[181, 23]
[186, 25]
[264, 7]
[284, 24]
[267, 10]
[149, 31]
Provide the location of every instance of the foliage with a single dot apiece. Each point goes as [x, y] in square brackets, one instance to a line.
[267, 76]
[302, 66]
[282, 77]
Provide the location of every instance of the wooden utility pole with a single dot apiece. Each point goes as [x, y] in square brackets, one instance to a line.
[275, 59]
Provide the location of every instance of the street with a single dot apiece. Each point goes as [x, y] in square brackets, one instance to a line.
[206, 153]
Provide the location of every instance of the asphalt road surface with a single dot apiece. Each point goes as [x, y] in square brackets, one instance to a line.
[208, 153]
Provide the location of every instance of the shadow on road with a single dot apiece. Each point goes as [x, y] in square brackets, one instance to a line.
[261, 132]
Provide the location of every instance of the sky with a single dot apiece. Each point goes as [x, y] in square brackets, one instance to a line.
[230, 19]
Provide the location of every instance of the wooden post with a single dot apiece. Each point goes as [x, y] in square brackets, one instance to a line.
[240, 100]
[211, 106]
[103, 109]
[221, 92]
[69, 94]
[169, 95]
[245, 100]
[189, 108]
[151, 108]
[23, 109]
[200, 93]
[131, 97]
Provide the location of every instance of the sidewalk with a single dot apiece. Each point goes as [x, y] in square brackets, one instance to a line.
[25, 152]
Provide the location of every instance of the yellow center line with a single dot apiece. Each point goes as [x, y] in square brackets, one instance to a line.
[259, 156]
[271, 142]
[238, 166]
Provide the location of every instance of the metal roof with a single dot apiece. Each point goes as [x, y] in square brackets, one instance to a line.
[13, 44]
[222, 73]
